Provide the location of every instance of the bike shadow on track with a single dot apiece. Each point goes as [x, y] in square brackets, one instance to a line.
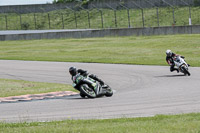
[78, 97]
[182, 75]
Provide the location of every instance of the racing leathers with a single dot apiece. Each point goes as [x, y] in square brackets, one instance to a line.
[77, 78]
[170, 61]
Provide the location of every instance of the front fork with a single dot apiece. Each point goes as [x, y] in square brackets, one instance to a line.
[183, 65]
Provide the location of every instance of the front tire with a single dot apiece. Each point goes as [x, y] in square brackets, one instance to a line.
[186, 71]
[85, 90]
[82, 95]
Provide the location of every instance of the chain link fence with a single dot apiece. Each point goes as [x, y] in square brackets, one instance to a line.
[117, 16]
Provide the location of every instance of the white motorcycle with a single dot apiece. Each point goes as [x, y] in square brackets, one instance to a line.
[181, 64]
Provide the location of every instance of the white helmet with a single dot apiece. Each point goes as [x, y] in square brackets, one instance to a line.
[169, 53]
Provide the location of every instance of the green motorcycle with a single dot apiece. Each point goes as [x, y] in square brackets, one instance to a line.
[91, 88]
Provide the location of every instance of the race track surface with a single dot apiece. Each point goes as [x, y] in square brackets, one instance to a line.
[139, 91]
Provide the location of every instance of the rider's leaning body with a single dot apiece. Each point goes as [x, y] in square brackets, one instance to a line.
[77, 76]
[170, 60]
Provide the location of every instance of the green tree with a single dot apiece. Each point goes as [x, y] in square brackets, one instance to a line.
[196, 2]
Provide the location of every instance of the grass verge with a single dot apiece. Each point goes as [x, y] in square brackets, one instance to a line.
[10, 87]
[186, 123]
[145, 50]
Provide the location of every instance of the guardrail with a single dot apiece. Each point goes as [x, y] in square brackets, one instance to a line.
[195, 29]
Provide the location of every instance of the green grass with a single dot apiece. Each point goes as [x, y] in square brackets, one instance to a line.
[67, 19]
[148, 50]
[186, 123]
[144, 50]
[10, 87]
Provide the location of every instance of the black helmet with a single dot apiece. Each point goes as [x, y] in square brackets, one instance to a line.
[72, 71]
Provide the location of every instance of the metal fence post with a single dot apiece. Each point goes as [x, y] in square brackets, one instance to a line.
[20, 20]
[101, 18]
[63, 25]
[115, 18]
[187, 4]
[75, 19]
[49, 21]
[88, 18]
[173, 18]
[6, 22]
[173, 11]
[129, 24]
[190, 19]
[101, 13]
[141, 10]
[142, 17]
[157, 17]
[35, 21]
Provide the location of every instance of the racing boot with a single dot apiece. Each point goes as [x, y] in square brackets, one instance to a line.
[103, 85]
[101, 82]
[97, 79]
[174, 70]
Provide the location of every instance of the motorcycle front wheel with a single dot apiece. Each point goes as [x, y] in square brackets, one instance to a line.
[186, 72]
[87, 91]
[82, 95]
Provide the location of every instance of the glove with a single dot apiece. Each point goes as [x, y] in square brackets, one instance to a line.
[182, 57]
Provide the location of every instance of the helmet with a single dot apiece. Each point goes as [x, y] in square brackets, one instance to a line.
[72, 71]
[169, 53]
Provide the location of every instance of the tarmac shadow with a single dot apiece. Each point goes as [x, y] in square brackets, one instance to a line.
[79, 97]
[182, 75]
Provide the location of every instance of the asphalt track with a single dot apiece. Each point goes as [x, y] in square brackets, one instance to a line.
[139, 91]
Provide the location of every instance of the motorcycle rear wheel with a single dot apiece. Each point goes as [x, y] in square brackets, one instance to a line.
[109, 92]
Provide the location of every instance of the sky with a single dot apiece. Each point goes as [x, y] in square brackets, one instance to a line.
[23, 2]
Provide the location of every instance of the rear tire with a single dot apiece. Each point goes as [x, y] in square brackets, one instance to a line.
[87, 91]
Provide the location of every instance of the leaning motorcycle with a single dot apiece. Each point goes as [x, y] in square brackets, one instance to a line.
[90, 87]
[181, 64]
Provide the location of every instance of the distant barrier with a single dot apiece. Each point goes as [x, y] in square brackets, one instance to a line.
[169, 30]
[102, 18]
[101, 14]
